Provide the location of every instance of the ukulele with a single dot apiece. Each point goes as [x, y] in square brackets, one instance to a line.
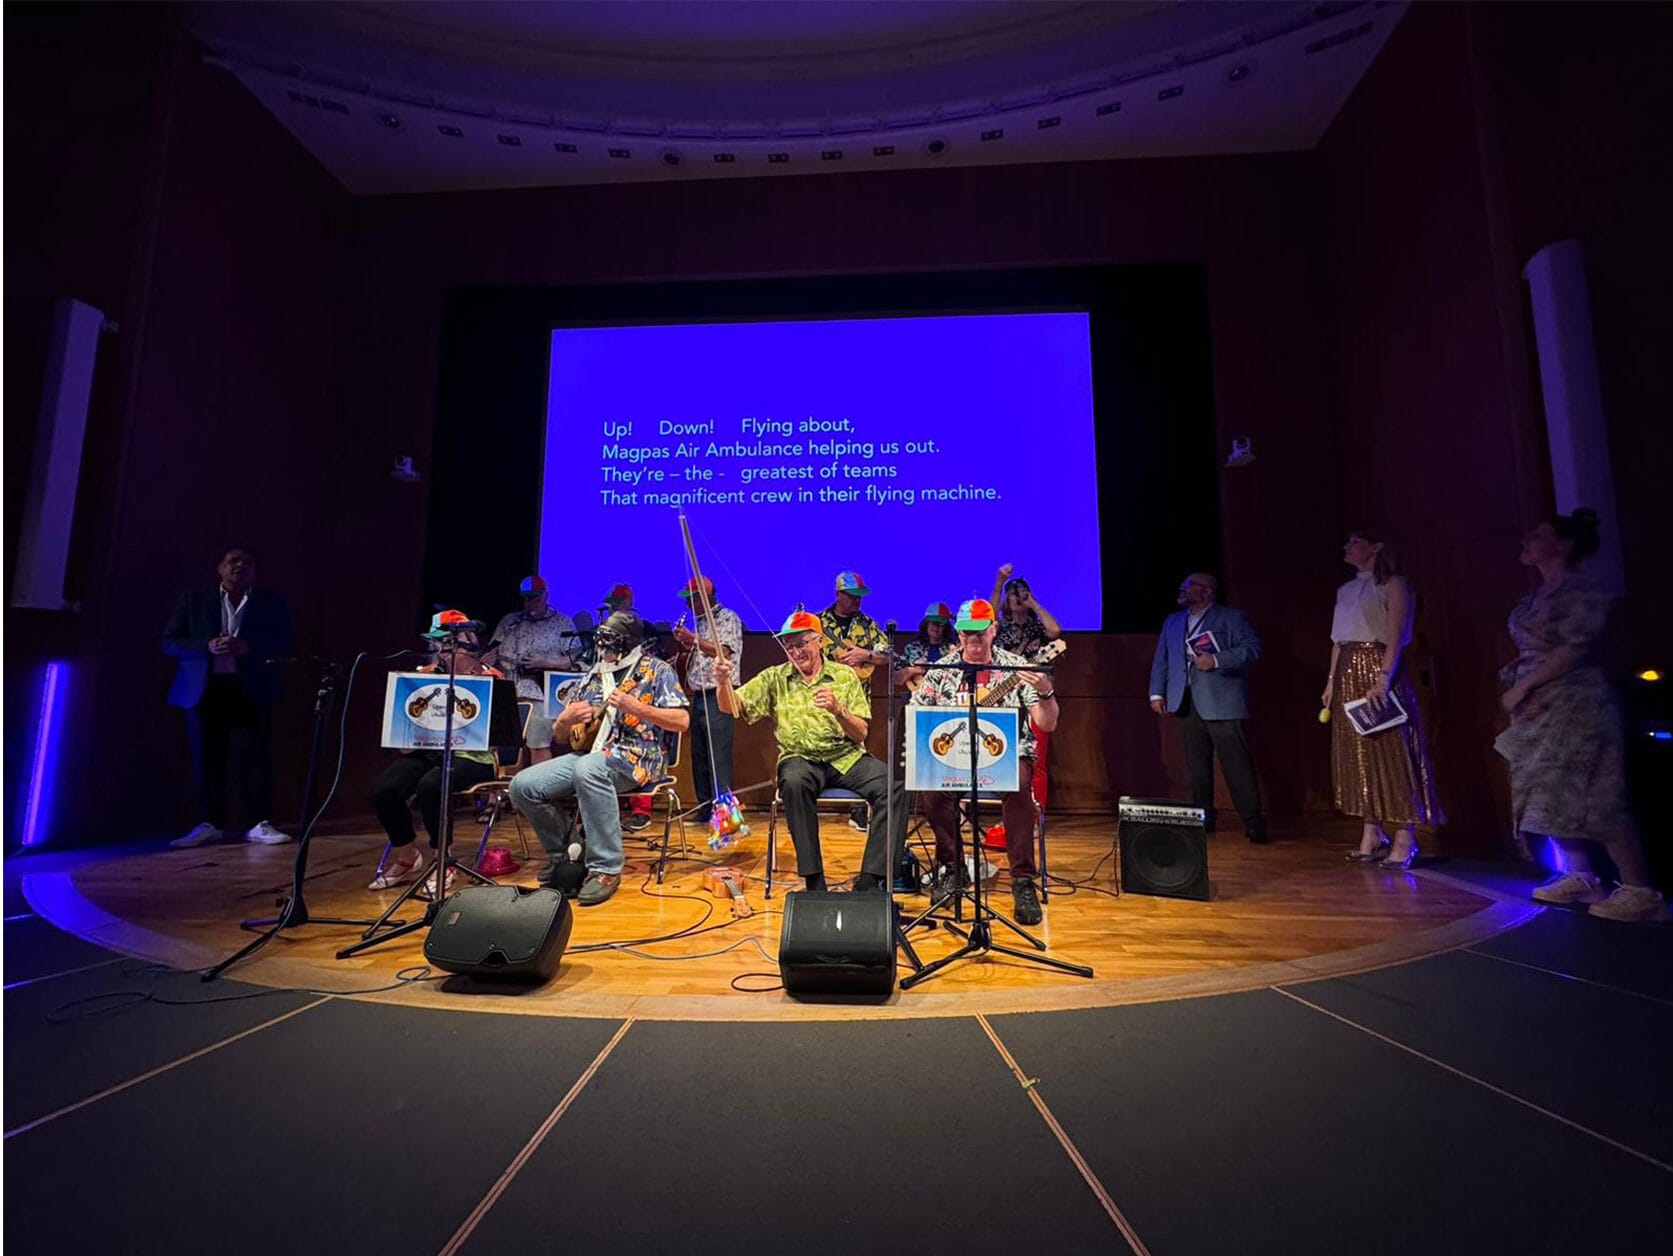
[583, 735]
[992, 695]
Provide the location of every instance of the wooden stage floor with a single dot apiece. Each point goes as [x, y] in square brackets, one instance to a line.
[1293, 910]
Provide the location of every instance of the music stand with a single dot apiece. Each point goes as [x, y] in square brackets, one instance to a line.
[444, 861]
[899, 929]
[978, 935]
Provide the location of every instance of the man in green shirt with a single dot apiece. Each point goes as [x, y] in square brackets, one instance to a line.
[820, 711]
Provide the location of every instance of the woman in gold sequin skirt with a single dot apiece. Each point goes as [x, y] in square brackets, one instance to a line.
[1385, 778]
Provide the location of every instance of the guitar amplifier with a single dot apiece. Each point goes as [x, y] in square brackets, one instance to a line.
[1164, 850]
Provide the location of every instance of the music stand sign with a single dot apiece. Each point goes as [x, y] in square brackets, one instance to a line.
[938, 749]
[556, 682]
[415, 711]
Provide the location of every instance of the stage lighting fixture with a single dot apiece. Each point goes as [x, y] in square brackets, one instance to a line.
[883, 150]
[620, 154]
[392, 121]
[725, 158]
[778, 159]
[831, 154]
[671, 157]
[998, 133]
[558, 146]
[1045, 124]
[936, 147]
[1104, 111]
[510, 141]
[1239, 72]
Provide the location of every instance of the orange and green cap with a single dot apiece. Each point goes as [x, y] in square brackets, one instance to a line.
[976, 615]
[800, 621]
[691, 586]
[445, 623]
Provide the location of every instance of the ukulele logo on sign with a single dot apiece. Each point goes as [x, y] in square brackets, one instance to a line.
[938, 749]
[415, 711]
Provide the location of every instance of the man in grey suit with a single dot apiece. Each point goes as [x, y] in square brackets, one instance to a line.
[1202, 658]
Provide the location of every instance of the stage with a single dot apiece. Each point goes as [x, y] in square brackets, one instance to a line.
[1291, 911]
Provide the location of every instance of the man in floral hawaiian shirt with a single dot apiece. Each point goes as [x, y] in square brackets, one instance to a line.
[639, 699]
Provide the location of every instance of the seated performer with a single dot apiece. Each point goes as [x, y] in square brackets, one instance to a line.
[620, 598]
[820, 712]
[635, 698]
[948, 686]
[417, 773]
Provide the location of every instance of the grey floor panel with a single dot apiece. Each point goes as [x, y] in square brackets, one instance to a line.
[1250, 1124]
[819, 1138]
[74, 1036]
[1591, 1055]
[1633, 957]
[349, 1128]
[36, 948]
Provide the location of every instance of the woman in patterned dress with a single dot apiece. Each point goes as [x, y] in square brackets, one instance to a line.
[1385, 778]
[1564, 744]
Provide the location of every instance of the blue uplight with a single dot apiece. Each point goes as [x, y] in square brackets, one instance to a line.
[42, 771]
[1661, 734]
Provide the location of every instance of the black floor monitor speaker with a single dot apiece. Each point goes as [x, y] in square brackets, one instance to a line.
[501, 931]
[836, 944]
[1164, 850]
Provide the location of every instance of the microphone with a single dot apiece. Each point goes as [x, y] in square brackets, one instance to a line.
[890, 625]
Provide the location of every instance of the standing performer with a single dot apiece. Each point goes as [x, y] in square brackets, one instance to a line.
[1386, 777]
[634, 699]
[1034, 693]
[1024, 628]
[1202, 658]
[820, 714]
[223, 640]
[711, 728]
[529, 643]
[853, 638]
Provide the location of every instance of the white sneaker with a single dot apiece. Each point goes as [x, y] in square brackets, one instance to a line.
[267, 835]
[1632, 903]
[200, 836]
[1570, 887]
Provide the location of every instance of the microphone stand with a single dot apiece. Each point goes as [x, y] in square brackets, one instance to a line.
[444, 860]
[901, 940]
[293, 911]
[978, 935]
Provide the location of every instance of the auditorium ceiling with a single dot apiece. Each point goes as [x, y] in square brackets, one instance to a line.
[459, 94]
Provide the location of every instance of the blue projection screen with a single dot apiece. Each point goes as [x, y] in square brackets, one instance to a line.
[921, 452]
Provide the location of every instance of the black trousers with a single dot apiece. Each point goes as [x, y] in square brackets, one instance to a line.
[1203, 739]
[710, 727]
[801, 781]
[418, 775]
[225, 715]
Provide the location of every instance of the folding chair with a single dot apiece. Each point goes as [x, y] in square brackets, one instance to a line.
[491, 799]
[845, 798]
[665, 786]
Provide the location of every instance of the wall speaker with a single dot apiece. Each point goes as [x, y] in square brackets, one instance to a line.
[501, 931]
[837, 944]
[1164, 850]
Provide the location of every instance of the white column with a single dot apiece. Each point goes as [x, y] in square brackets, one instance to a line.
[1574, 418]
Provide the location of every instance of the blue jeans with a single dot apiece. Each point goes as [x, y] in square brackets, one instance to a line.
[593, 781]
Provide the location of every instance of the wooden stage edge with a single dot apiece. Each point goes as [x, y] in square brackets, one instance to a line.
[1283, 914]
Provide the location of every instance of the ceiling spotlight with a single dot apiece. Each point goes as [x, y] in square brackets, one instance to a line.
[883, 150]
[936, 147]
[1240, 71]
[671, 157]
[558, 146]
[998, 133]
[778, 159]
[510, 141]
[620, 154]
[391, 121]
[452, 132]
[831, 154]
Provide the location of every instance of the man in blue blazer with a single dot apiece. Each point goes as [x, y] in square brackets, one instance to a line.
[1202, 659]
[223, 640]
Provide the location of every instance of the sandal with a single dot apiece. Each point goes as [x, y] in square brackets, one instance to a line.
[393, 874]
